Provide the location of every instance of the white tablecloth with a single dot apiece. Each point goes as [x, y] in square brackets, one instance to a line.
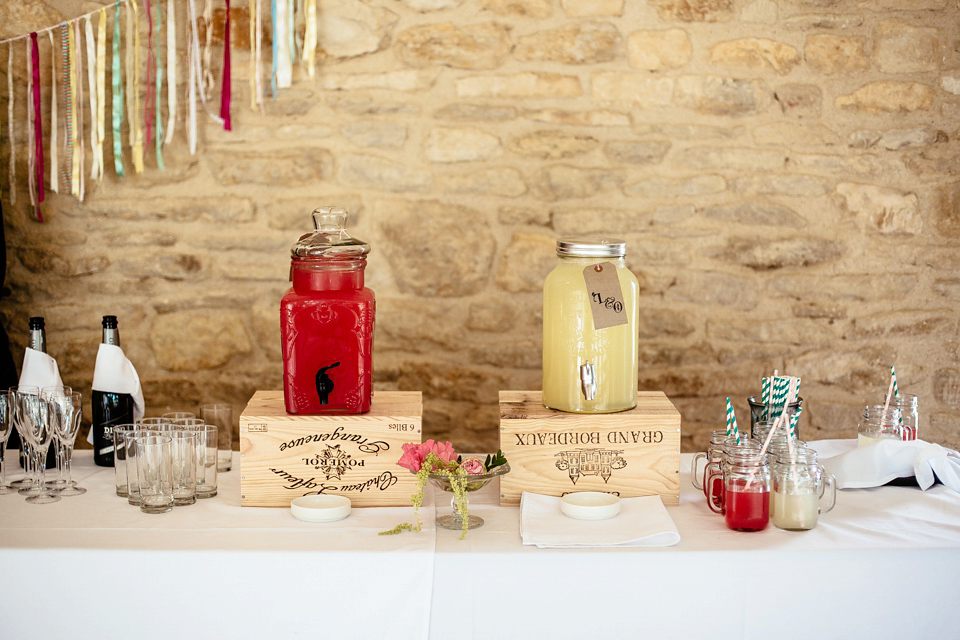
[883, 564]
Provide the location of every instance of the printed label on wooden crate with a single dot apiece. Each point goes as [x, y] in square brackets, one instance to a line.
[631, 453]
[286, 456]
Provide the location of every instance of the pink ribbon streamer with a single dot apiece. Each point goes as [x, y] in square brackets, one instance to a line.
[151, 75]
[225, 82]
[37, 122]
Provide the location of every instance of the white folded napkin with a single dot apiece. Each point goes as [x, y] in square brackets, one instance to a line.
[877, 464]
[114, 373]
[39, 370]
[642, 522]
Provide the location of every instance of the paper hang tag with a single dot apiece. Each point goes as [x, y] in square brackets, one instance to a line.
[605, 295]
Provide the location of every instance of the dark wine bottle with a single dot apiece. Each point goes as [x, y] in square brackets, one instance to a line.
[109, 408]
[37, 340]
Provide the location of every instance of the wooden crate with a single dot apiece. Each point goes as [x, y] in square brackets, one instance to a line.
[631, 453]
[285, 456]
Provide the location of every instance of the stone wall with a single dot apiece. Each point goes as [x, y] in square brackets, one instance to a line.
[784, 171]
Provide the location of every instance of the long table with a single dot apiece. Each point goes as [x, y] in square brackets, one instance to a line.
[883, 564]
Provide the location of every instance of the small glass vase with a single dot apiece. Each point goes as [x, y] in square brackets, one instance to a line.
[472, 483]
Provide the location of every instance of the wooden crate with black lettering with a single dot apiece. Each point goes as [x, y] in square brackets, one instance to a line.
[285, 456]
[630, 453]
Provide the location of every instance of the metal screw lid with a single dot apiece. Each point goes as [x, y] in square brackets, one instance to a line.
[592, 247]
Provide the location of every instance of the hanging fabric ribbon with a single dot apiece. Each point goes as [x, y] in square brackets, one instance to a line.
[310, 38]
[101, 88]
[73, 167]
[76, 52]
[284, 66]
[225, 81]
[259, 54]
[207, 72]
[194, 58]
[92, 90]
[31, 134]
[159, 140]
[12, 127]
[116, 111]
[276, 47]
[192, 95]
[151, 76]
[298, 38]
[291, 40]
[171, 71]
[37, 122]
[252, 70]
[65, 169]
[54, 119]
[136, 130]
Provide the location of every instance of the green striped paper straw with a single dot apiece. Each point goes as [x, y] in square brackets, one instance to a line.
[893, 375]
[732, 428]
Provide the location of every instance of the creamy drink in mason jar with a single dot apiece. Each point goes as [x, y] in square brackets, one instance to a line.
[590, 328]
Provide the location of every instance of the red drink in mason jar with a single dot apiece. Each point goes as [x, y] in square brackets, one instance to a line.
[326, 321]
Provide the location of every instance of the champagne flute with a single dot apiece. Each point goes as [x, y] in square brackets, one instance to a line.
[69, 407]
[49, 394]
[6, 424]
[35, 416]
[26, 452]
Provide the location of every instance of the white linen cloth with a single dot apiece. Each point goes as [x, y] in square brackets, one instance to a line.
[876, 464]
[39, 370]
[642, 522]
[113, 372]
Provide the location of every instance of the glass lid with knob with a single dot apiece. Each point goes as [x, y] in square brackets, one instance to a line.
[330, 239]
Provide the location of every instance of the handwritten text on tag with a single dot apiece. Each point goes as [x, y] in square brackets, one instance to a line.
[605, 295]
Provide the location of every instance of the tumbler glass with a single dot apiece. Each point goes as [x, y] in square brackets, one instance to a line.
[155, 472]
[221, 415]
[206, 459]
[184, 466]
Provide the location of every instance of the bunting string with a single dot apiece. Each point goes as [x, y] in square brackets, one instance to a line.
[171, 71]
[116, 109]
[101, 136]
[54, 119]
[12, 127]
[37, 122]
[31, 133]
[78, 79]
[225, 80]
[159, 141]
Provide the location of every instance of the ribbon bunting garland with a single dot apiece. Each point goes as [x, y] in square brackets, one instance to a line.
[80, 42]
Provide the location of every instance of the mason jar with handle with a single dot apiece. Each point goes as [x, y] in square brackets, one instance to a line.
[800, 485]
[590, 341]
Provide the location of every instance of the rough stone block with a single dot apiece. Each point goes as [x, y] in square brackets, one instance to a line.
[578, 43]
[765, 255]
[500, 181]
[561, 182]
[794, 331]
[637, 152]
[526, 262]
[201, 339]
[656, 50]
[730, 158]
[799, 100]
[405, 80]
[378, 173]
[714, 288]
[946, 214]
[756, 53]
[904, 324]
[829, 21]
[589, 118]
[694, 10]
[716, 95]
[519, 8]
[900, 47]
[375, 134]
[475, 112]
[288, 168]
[755, 213]
[589, 8]
[510, 215]
[553, 144]
[946, 388]
[676, 187]
[795, 134]
[455, 247]
[882, 209]
[781, 185]
[828, 53]
[888, 96]
[520, 85]
[350, 28]
[461, 144]
[638, 88]
[476, 46]
[490, 317]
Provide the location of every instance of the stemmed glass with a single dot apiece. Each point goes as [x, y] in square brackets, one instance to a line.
[6, 424]
[36, 427]
[67, 406]
[26, 482]
[48, 394]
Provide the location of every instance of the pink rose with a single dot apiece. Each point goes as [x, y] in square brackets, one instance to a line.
[443, 450]
[412, 457]
[473, 466]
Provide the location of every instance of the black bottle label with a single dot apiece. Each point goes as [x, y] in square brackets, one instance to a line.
[109, 410]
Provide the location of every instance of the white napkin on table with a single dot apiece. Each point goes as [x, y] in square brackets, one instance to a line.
[877, 464]
[39, 370]
[642, 522]
[114, 373]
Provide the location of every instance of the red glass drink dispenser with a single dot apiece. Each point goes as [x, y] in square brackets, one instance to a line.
[326, 321]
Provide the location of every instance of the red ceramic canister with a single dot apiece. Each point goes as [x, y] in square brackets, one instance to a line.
[326, 321]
